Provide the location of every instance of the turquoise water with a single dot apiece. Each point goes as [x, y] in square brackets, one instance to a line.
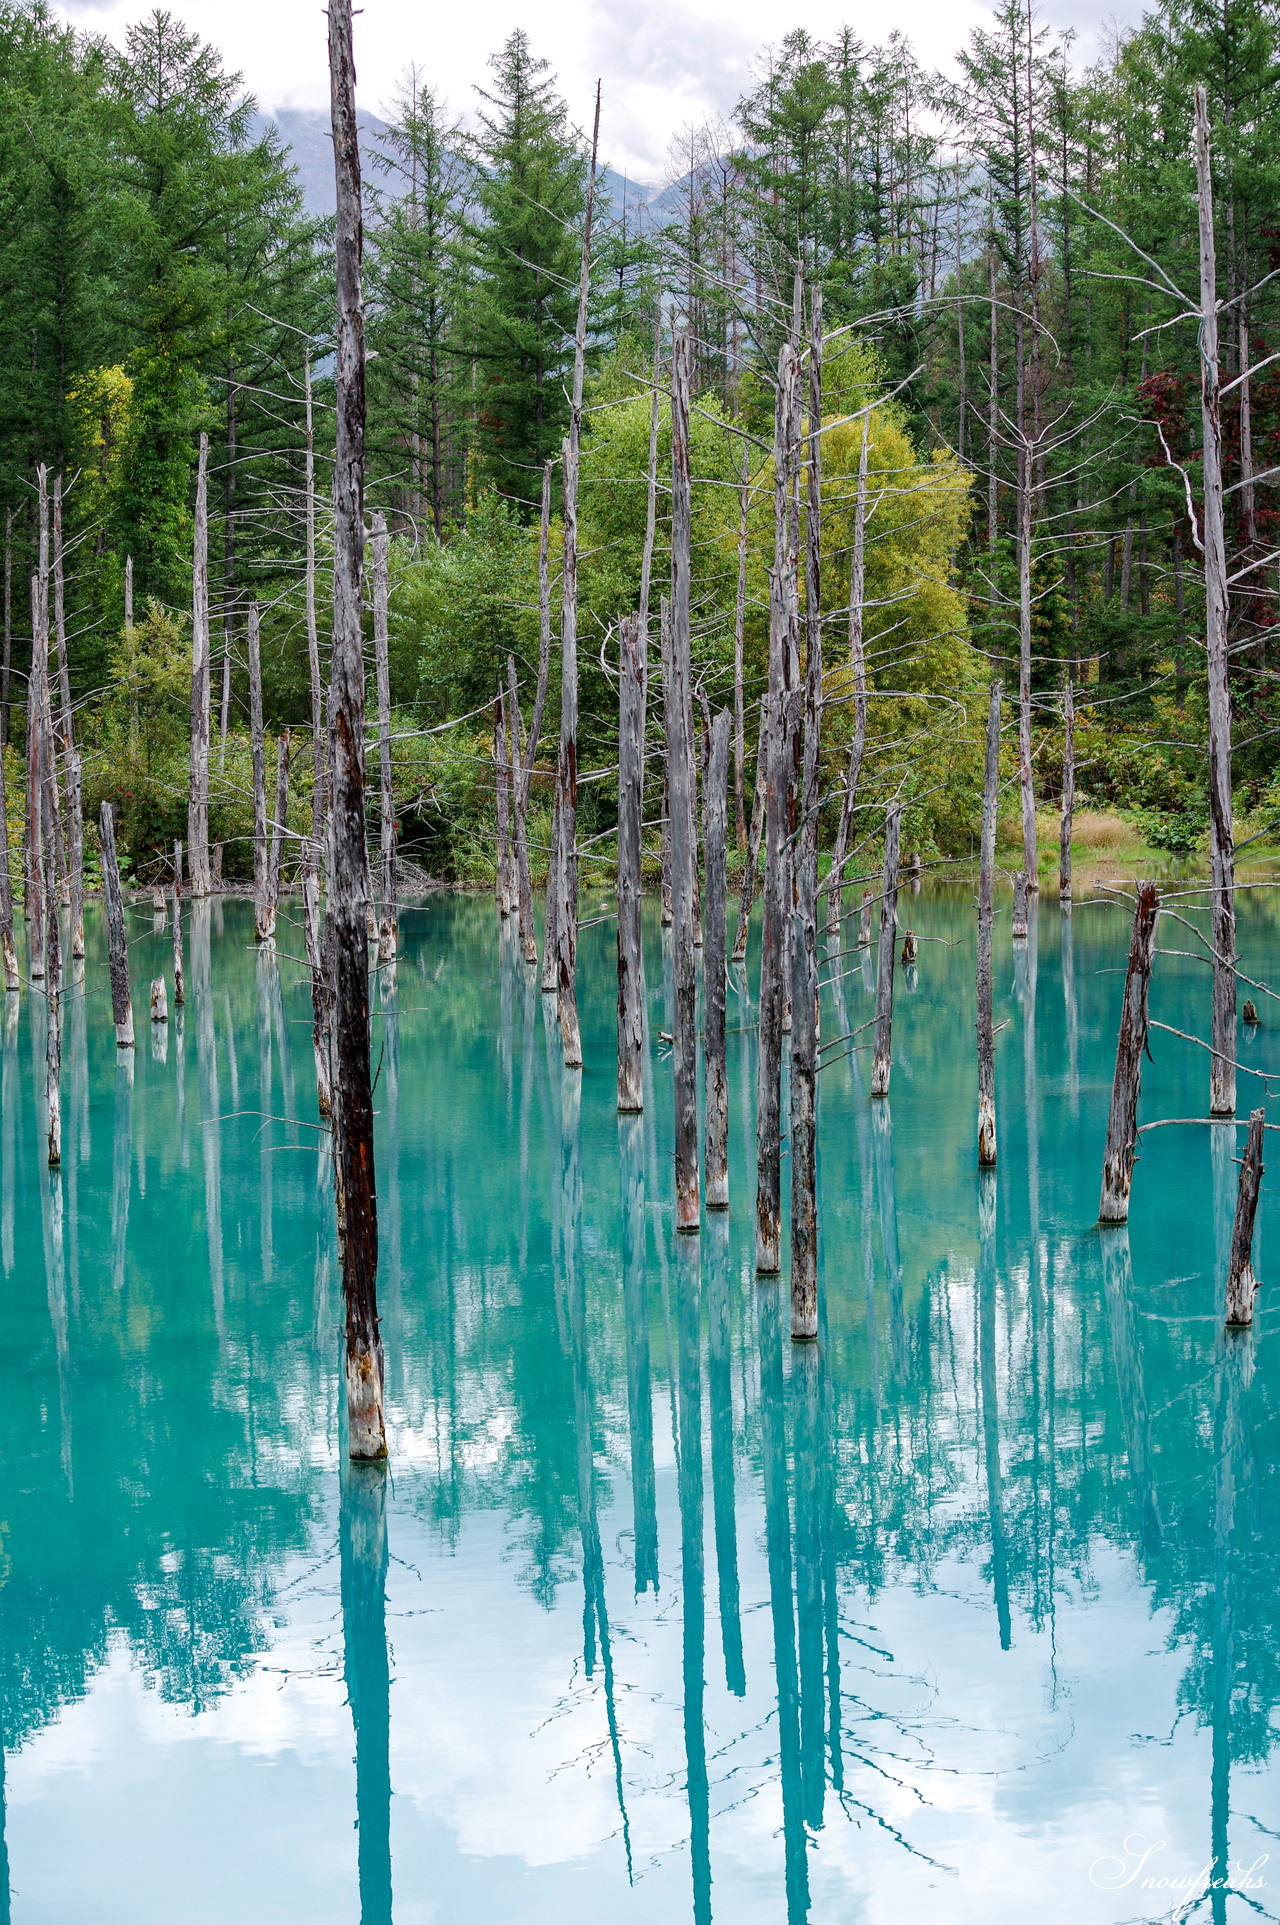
[968, 1612]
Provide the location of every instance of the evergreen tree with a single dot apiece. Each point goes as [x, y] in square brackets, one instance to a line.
[531, 189]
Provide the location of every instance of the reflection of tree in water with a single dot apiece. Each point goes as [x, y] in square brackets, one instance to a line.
[989, 1392]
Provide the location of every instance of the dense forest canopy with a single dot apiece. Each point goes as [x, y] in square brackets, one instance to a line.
[984, 245]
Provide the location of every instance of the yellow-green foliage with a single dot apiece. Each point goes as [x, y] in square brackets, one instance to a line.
[926, 708]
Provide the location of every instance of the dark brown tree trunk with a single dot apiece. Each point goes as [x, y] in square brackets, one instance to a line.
[1242, 1285]
[353, 1120]
[1122, 1122]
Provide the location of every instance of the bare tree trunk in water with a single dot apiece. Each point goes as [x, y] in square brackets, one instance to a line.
[567, 774]
[681, 779]
[986, 914]
[1068, 789]
[1222, 1074]
[1122, 1130]
[1242, 1285]
[631, 727]
[353, 1120]
[882, 1059]
[714, 979]
[179, 980]
[198, 791]
[739, 644]
[263, 918]
[117, 952]
[858, 662]
[313, 641]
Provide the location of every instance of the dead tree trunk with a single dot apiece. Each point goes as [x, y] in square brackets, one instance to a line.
[1068, 789]
[528, 936]
[1019, 925]
[751, 866]
[678, 705]
[117, 952]
[279, 827]
[320, 1012]
[348, 942]
[567, 773]
[551, 919]
[53, 1019]
[631, 729]
[739, 646]
[769, 1070]
[313, 638]
[1222, 1074]
[388, 921]
[1026, 782]
[858, 662]
[8, 949]
[179, 981]
[882, 1057]
[1242, 1285]
[502, 799]
[1122, 1132]
[714, 978]
[198, 790]
[37, 722]
[784, 734]
[263, 918]
[986, 916]
[864, 920]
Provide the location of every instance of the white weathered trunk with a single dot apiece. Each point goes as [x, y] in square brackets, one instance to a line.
[198, 790]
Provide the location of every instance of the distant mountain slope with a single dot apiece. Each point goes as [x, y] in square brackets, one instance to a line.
[305, 132]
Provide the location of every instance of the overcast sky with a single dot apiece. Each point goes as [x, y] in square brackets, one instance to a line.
[665, 63]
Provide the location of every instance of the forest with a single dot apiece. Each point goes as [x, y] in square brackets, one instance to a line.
[994, 252]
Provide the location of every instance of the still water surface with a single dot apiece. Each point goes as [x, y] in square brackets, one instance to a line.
[968, 1612]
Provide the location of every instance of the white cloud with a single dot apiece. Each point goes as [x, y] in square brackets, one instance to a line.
[664, 64]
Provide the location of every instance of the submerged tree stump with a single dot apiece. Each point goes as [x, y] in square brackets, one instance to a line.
[1122, 1134]
[1020, 927]
[1242, 1285]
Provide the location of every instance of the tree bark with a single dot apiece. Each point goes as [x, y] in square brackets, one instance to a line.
[53, 999]
[1122, 1134]
[528, 935]
[179, 981]
[631, 730]
[388, 920]
[1019, 925]
[775, 725]
[739, 646]
[1222, 1075]
[714, 977]
[1242, 1285]
[1026, 784]
[279, 827]
[678, 705]
[348, 881]
[263, 917]
[502, 889]
[882, 1057]
[313, 635]
[751, 866]
[858, 662]
[8, 949]
[1068, 788]
[320, 1008]
[198, 790]
[986, 916]
[567, 773]
[117, 954]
